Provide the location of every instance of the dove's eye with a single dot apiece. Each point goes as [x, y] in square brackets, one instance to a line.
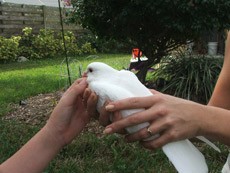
[90, 70]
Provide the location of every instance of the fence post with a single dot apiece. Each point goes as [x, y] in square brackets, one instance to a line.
[1, 21]
[44, 16]
[23, 14]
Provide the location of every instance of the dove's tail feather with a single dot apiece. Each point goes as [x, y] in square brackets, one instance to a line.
[226, 168]
[209, 143]
[185, 157]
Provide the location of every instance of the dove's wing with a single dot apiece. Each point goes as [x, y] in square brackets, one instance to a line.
[108, 91]
[131, 83]
[185, 157]
[208, 142]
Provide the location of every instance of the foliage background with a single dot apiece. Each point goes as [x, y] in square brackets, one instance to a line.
[190, 76]
[157, 27]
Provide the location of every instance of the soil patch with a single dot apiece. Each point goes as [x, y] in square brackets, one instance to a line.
[38, 109]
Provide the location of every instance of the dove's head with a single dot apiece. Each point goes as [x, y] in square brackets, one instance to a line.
[97, 71]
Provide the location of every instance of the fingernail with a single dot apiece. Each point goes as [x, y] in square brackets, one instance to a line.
[109, 107]
[86, 93]
[108, 131]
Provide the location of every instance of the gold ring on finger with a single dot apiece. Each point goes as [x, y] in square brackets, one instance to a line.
[149, 131]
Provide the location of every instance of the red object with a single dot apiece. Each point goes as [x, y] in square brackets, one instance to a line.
[135, 53]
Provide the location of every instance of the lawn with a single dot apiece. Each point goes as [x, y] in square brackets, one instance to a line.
[22, 80]
[87, 153]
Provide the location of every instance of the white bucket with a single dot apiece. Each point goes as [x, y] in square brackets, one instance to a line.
[212, 48]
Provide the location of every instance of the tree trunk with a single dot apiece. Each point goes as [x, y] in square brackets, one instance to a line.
[142, 74]
[151, 61]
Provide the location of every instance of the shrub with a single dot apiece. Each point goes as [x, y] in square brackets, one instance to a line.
[72, 46]
[190, 76]
[9, 48]
[86, 48]
[106, 46]
[43, 45]
[26, 43]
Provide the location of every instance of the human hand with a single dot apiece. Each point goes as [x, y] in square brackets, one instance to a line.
[173, 118]
[70, 115]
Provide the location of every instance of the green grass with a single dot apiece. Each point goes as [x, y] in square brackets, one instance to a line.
[19, 81]
[108, 154]
[87, 153]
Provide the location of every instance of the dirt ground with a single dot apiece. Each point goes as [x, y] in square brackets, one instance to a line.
[37, 110]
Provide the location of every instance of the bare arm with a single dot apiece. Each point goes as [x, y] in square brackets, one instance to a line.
[221, 94]
[35, 155]
[66, 122]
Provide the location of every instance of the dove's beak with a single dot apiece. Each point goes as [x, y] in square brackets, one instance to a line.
[85, 74]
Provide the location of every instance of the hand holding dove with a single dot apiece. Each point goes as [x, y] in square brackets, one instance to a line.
[110, 84]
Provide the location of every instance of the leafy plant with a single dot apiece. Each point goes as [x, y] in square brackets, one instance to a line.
[190, 76]
[45, 45]
[26, 43]
[106, 46]
[42, 45]
[75, 48]
[9, 48]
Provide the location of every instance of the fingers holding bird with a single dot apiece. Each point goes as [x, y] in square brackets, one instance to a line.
[168, 116]
[135, 103]
[90, 100]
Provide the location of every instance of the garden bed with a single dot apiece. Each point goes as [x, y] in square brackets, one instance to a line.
[38, 109]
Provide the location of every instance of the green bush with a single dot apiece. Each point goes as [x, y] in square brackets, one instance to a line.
[9, 48]
[190, 76]
[45, 45]
[73, 47]
[70, 41]
[106, 45]
[26, 44]
[42, 45]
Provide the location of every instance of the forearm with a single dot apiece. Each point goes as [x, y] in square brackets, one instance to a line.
[221, 94]
[35, 155]
[215, 124]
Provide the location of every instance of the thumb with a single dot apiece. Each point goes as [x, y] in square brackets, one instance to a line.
[79, 88]
[76, 89]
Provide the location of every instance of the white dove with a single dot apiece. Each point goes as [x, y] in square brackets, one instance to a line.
[113, 85]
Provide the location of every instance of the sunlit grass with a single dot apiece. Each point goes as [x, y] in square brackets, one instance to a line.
[19, 81]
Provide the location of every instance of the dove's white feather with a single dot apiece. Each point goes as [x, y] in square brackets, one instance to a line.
[113, 85]
[185, 157]
[105, 92]
[226, 168]
[208, 142]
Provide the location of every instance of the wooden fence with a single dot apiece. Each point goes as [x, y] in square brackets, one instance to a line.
[14, 17]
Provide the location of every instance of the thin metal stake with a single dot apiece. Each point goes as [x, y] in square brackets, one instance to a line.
[63, 38]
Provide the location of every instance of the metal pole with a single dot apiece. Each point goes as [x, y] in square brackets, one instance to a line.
[63, 38]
